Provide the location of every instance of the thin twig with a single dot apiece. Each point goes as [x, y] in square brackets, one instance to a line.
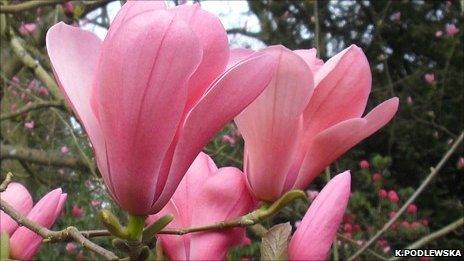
[354, 243]
[31, 107]
[5, 182]
[437, 234]
[27, 6]
[418, 191]
[50, 235]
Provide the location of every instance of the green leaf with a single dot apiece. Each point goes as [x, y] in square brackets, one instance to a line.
[275, 242]
[4, 246]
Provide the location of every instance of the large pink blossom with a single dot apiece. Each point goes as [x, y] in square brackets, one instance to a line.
[206, 195]
[316, 232]
[309, 115]
[24, 243]
[152, 94]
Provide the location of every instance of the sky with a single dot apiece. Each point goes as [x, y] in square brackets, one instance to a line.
[233, 14]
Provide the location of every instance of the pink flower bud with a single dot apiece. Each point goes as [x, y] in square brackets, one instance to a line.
[95, 203]
[425, 222]
[391, 214]
[43, 91]
[77, 212]
[460, 164]
[228, 139]
[383, 194]
[393, 196]
[70, 247]
[451, 30]
[64, 150]
[27, 29]
[377, 177]
[412, 209]
[312, 194]
[364, 164]
[29, 125]
[68, 7]
[430, 78]
[348, 228]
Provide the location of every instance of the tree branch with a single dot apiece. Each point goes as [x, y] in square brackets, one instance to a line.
[437, 234]
[50, 235]
[418, 191]
[243, 32]
[27, 6]
[41, 157]
[5, 182]
[31, 107]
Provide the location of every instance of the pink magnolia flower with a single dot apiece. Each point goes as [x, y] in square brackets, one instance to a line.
[29, 125]
[206, 195]
[460, 164]
[393, 196]
[429, 78]
[311, 112]
[64, 150]
[71, 247]
[315, 234]
[77, 211]
[383, 194]
[153, 93]
[312, 194]
[24, 243]
[377, 177]
[27, 29]
[364, 164]
[412, 209]
[451, 29]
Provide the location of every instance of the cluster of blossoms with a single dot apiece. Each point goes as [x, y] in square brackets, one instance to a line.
[164, 81]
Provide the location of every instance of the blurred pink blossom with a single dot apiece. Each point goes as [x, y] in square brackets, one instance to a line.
[396, 16]
[68, 7]
[71, 247]
[391, 214]
[228, 139]
[429, 78]
[460, 164]
[439, 33]
[451, 30]
[64, 150]
[96, 203]
[77, 212]
[409, 100]
[312, 194]
[43, 91]
[29, 125]
[377, 177]
[364, 164]
[383, 194]
[393, 196]
[412, 209]
[27, 29]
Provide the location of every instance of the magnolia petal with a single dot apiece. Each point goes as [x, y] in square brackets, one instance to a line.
[24, 243]
[315, 234]
[17, 196]
[310, 57]
[141, 93]
[336, 140]
[215, 44]
[74, 57]
[227, 97]
[237, 55]
[268, 121]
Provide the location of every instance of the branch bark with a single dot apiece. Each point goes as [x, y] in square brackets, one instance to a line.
[50, 235]
[41, 157]
[418, 191]
[27, 6]
[27, 108]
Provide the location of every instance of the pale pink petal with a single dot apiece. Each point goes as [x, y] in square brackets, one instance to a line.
[141, 93]
[227, 97]
[237, 55]
[314, 236]
[271, 125]
[214, 42]
[20, 199]
[331, 143]
[310, 57]
[342, 87]
[24, 243]
[74, 56]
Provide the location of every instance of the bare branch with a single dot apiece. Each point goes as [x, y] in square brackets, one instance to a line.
[28, 5]
[31, 107]
[41, 157]
[5, 182]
